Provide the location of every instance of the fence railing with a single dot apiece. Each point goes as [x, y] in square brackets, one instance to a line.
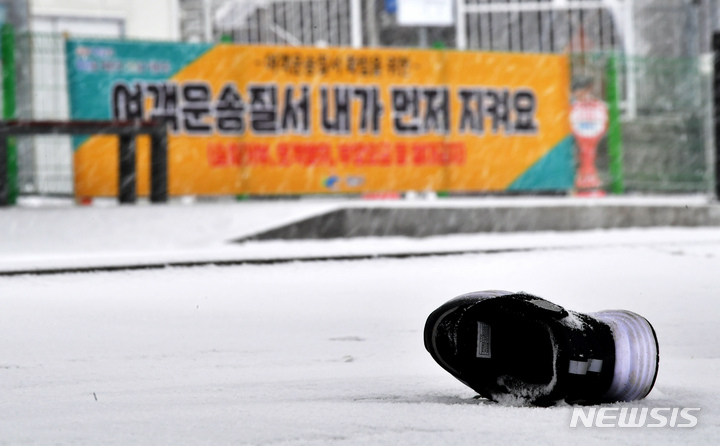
[127, 133]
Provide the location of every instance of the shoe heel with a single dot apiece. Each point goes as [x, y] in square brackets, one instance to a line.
[636, 355]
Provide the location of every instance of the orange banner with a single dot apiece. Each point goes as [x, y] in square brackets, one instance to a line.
[282, 120]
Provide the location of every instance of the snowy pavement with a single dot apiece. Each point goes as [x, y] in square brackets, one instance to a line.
[38, 236]
[316, 352]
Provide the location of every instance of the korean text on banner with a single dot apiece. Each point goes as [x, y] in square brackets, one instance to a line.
[281, 120]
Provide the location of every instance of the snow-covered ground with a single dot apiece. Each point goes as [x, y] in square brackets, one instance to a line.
[38, 235]
[314, 352]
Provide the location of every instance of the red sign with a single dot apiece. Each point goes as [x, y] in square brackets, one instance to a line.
[589, 120]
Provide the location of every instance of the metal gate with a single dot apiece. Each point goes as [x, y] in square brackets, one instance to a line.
[289, 22]
[544, 25]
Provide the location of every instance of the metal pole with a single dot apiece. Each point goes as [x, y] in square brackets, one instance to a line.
[207, 22]
[423, 38]
[159, 166]
[371, 23]
[716, 112]
[629, 36]
[356, 23]
[127, 192]
[615, 152]
[706, 75]
[10, 170]
[460, 28]
[175, 31]
[4, 184]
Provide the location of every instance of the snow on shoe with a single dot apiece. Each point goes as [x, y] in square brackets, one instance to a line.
[516, 348]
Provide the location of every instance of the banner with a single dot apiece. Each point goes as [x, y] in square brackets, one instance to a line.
[289, 120]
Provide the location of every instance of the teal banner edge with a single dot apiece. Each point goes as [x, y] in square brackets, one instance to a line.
[555, 171]
[95, 65]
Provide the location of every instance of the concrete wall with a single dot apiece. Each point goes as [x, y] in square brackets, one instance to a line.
[433, 221]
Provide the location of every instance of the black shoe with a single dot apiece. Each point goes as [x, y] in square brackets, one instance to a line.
[516, 348]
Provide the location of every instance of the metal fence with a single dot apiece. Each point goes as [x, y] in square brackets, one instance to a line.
[293, 22]
[44, 162]
[668, 138]
[539, 26]
[670, 142]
